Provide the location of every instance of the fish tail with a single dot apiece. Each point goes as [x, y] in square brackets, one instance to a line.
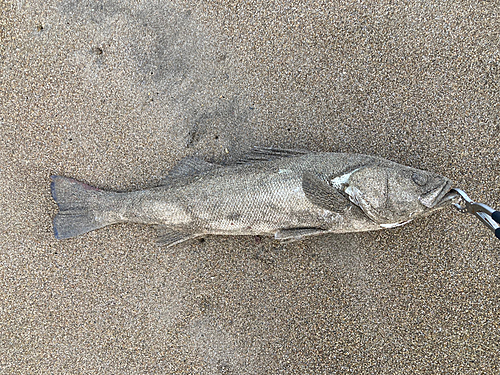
[79, 205]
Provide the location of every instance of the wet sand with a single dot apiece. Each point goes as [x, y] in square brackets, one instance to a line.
[114, 93]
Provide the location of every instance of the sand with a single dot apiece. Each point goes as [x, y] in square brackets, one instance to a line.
[115, 92]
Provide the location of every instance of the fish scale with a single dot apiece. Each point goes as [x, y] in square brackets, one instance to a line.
[262, 203]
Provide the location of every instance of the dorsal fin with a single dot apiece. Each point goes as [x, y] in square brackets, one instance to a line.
[269, 153]
[317, 189]
[189, 166]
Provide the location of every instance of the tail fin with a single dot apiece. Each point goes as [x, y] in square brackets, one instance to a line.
[78, 205]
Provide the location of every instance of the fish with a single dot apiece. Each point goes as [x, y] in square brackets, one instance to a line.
[288, 194]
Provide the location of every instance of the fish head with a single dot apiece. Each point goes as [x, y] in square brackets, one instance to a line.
[394, 195]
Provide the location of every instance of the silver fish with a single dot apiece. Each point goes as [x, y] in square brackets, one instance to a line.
[286, 193]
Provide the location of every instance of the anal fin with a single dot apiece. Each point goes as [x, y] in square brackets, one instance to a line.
[170, 237]
[297, 233]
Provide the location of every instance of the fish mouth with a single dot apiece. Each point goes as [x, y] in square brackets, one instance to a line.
[448, 198]
[438, 196]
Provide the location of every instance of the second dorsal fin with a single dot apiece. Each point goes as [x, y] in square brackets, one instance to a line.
[189, 166]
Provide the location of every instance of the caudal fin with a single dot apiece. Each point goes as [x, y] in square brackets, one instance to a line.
[78, 205]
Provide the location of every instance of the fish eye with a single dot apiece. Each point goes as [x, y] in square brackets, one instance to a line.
[419, 179]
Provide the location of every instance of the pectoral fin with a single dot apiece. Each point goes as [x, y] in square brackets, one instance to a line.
[317, 189]
[297, 233]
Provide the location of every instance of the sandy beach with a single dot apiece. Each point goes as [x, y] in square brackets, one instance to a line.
[115, 92]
